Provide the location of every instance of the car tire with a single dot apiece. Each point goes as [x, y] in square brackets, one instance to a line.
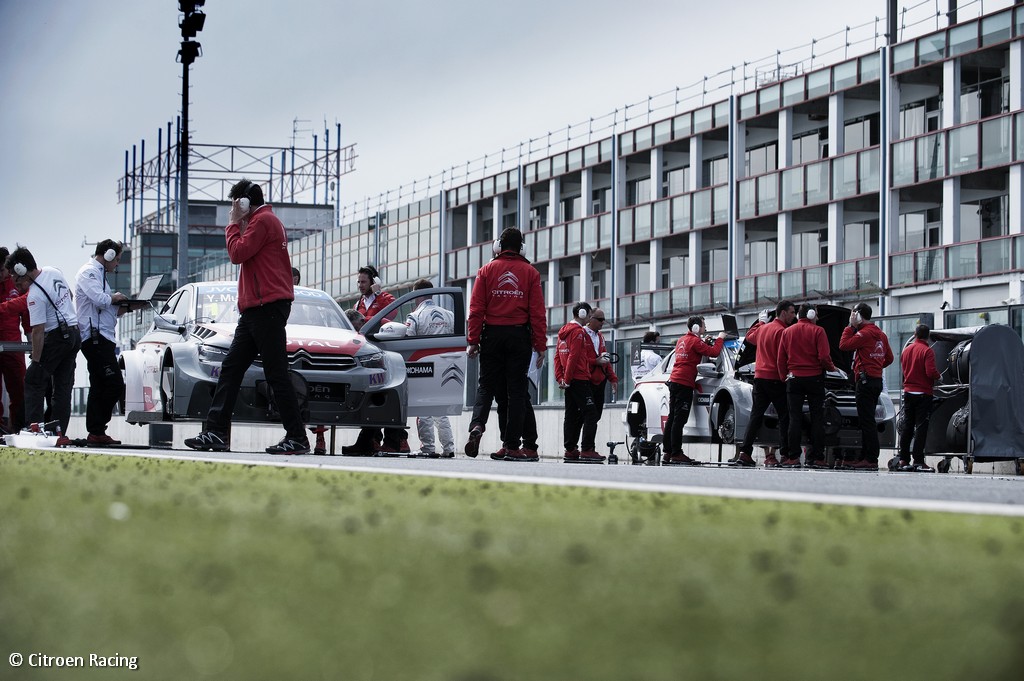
[727, 425]
[167, 388]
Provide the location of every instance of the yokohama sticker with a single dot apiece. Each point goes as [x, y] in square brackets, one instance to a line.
[419, 369]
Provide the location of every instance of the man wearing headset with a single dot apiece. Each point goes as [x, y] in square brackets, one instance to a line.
[872, 354]
[804, 357]
[601, 371]
[13, 318]
[690, 350]
[98, 308]
[55, 338]
[507, 318]
[572, 371]
[256, 240]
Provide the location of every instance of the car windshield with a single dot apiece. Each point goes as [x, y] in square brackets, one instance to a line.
[310, 308]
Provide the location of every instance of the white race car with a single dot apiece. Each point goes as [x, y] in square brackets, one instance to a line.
[376, 376]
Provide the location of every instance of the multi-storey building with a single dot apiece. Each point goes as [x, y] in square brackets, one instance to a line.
[895, 177]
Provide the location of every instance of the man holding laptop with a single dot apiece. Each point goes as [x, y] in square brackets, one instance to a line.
[98, 308]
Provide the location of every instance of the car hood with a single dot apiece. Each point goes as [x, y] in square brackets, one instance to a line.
[314, 339]
[833, 319]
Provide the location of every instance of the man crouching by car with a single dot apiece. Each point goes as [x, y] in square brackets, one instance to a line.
[256, 240]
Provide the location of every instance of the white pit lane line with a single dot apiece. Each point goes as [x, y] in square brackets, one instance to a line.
[965, 507]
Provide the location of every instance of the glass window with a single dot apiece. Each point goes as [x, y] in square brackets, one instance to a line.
[767, 194]
[558, 165]
[816, 182]
[962, 260]
[844, 75]
[819, 83]
[995, 142]
[903, 163]
[995, 256]
[931, 157]
[903, 57]
[642, 225]
[661, 222]
[626, 226]
[662, 132]
[591, 154]
[543, 240]
[702, 209]
[558, 241]
[748, 105]
[929, 265]
[644, 136]
[681, 213]
[963, 148]
[748, 199]
[1020, 21]
[721, 114]
[590, 243]
[720, 204]
[931, 48]
[844, 176]
[682, 126]
[769, 98]
[1020, 134]
[996, 29]
[702, 120]
[868, 166]
[963, 38]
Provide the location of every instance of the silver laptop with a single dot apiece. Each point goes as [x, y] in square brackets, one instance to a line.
[147, 291]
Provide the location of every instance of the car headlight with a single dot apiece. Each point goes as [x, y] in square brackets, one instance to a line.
[374, 361]
[212, 354]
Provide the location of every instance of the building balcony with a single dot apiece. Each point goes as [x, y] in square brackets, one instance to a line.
[820, 281]
[960, 261]
[673, 302]
[674, 215]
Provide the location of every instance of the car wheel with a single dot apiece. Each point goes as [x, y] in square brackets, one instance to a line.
[167, 389]
[727, 425]
[943, 466]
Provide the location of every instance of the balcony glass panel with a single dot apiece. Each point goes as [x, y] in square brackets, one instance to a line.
[575, 161]
[575, 230]
[819, 83]
[702, 119]
[662, 227]
[995, 142]
[700, 297]
[767, 287]
[929, 265]
[931, 48]
[681, 214]
[816, 182]
[606, 229]
[592, 155]
[682, 125]
[867, 273]
[767, 194]
[816, 279]
[543, 240]
[963, 38]
[768, 98]
[721, 114]
[997, 28]
[1020, 21]
[748, 199]
[719, 293]
[626, 226]
[903, 57]
[702, 209]
[793, 91]
[931, 157]
[1018, 253]
[844, 75]
[720, 205]
[844, 276]
[903, 163]
[557, 241]
[995, 256]
[590, 242]
[868, 166]
[901, 269]
[662, 132]
[870, 68]
[642, 226]
[748, 105]
[844, 176]
[558, 165]
[474, 258]
[1019, 118]
[661, 303]
[625, 308]
[745, 291]
[963, 148]
[681, 300]
[644, 136]
[792, 188]
[792, 285]
[642, 305]
[963, 261]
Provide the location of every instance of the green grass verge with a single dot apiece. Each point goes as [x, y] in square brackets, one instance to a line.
[222, 571]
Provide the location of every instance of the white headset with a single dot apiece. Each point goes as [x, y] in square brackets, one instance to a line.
[496, 247]
[695, 328]
[812, 314]
[581, 313]
[20, 269]
[109, 255]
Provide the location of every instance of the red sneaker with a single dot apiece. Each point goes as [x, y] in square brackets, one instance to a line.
[679, 459]
[520, 455]
[498, 455]
[100, 440]
[571, 456]
[590, 456]
[770, 461]
[62, 441]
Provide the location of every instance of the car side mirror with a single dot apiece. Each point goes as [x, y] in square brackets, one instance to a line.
[708, 371]
[168, 322]
[391, 331]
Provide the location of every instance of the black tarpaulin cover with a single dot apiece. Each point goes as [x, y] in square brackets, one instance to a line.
[997, 392]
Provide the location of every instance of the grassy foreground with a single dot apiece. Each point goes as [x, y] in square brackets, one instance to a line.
[218, 571]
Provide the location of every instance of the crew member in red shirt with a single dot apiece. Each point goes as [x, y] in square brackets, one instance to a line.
[13, 318]
[919, 376]
[573, 357]
[769, 386]
[507, 321]
[873, 354]
[804, 357]
[601, 373]
[690, 350]
[372, 298]
[256, 241]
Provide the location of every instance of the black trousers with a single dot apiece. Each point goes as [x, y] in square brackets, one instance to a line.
[57, 364]
[504, 359]
[680, 399]
[260, 332]
[868, 390]
[768, 392]
[917, 409]
[812, 390]
[106, 387]
[580, 416]
[598, 391]
[530, 435]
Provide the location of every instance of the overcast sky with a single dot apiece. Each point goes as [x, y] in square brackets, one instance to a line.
[418, 86]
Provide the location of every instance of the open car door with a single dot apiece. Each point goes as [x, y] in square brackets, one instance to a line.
[435, 363]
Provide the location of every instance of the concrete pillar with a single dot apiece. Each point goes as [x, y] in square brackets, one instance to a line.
[657, 161]
[785, 241]
[836, 124]
[951, 211]
[555, 201]
[739, 248]
[496, 210]
[950, 93]
[554, 285]
[836, 232]
[472, 225]
[654, 281]
[1016, 179]
[585, 274]
[587, 191]
[693, 275]
[785, 138]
